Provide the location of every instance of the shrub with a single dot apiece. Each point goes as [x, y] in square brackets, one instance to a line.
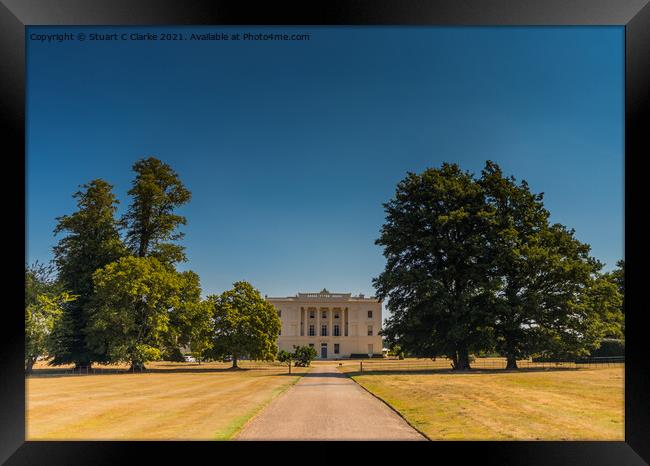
[284, 356]
[610, 347]
[172, 354]
[303, 355]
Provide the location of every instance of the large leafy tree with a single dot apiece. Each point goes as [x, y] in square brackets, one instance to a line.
[44, 301]
[92, 240]
[191, 323]
[580, 306]
[437, 276]
[134, 302]
[617, 277]
[475, 265]
[201, 330]
[245, 324]
[157, 192]
[520, 264]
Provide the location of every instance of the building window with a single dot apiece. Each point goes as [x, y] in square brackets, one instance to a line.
[324, 315]
[279, 312]
[312, 331]
[369, 314]
[312, 314]
[337, 331]
[369, 330]
[323, 330]
[336, 315]
[311, 345]
[370, 352]
[336, 348]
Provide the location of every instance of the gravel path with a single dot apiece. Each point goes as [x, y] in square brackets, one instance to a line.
[327, 405]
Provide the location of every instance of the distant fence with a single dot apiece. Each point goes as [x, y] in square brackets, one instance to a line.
[487, 364]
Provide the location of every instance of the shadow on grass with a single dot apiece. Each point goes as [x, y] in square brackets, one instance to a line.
[194, 370]
[453, 372]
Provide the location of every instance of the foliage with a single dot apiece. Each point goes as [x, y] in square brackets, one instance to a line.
[91, 241]
[201, 329]
[577, 326]
[191, 322]
[245, 324]
[473, 265]
[44, 303]
[436, 277]
[514, 244]
[304, 355]
[151, 222]
[617, 277]
[284, 356]
[396, 350]
[541, 269]
[610, 347]
[134, 302]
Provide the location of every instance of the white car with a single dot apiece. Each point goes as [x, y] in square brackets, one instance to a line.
[189, 358]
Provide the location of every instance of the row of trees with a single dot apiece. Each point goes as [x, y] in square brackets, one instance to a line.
[474, 265]
[117, 295]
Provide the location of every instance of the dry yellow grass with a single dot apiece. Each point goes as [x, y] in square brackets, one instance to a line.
[180, 402]
[583, 404]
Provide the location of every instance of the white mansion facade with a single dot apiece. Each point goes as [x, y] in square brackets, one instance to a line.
[337, 325]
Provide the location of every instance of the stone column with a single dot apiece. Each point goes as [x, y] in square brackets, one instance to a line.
[330, 328]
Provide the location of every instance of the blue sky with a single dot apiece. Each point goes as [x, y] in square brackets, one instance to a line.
[290, 148]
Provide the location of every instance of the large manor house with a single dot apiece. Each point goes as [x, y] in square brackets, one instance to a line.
[337, 325]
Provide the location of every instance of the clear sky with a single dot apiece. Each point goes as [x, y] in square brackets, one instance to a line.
[290, 148]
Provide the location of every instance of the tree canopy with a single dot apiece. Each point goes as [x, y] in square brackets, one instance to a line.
[97, 265]
[475, 265]
[437, 271]
[151, 222]
[92, 240]
[44, 301]
[245, 324]
[135, 301]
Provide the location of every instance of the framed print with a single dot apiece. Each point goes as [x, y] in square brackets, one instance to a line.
[343, 224]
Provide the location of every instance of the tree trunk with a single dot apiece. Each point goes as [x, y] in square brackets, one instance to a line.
[137, 366]
[82, 366]
[461, 362]
[512, 362]
[29, 366]
[234, 362]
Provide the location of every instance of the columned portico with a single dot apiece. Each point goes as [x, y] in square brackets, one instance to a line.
[334, 314]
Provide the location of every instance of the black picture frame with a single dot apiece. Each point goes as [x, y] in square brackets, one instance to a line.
[634, 15]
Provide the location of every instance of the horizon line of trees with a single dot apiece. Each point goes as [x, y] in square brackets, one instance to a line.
[474, 265]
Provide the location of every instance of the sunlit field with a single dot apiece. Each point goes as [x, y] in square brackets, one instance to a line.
[560, 403]
[174, 401]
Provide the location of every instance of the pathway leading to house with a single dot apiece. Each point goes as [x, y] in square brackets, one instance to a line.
[327, 405]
